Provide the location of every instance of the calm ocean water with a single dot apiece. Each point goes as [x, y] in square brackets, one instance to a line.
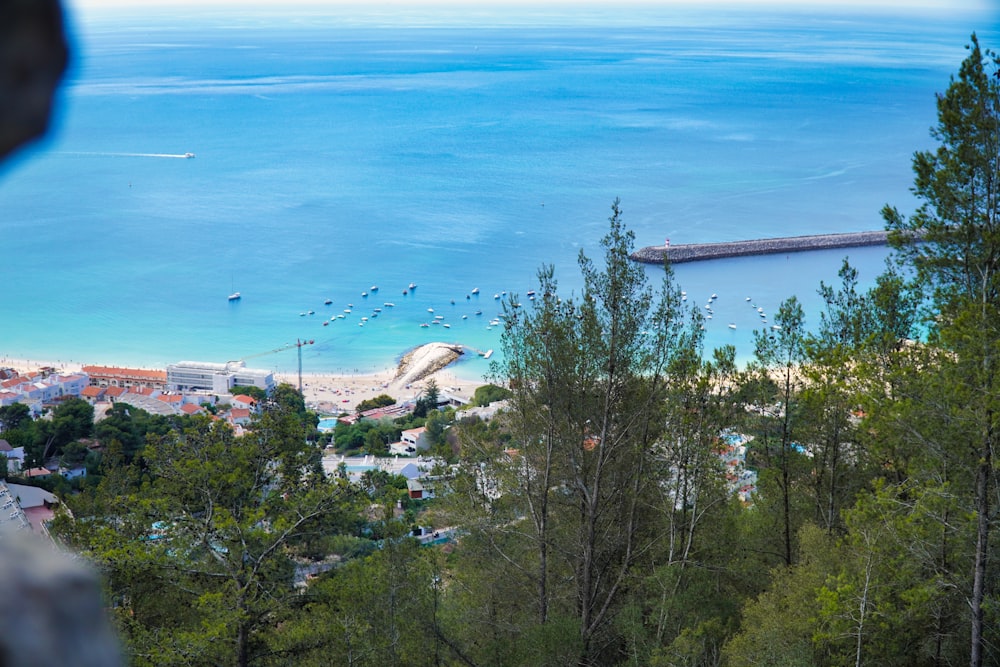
[341, 150]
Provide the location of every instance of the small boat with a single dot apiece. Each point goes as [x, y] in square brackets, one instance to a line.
[235, 296]
[189, 155]
[413, 286]
[378, 310]
[388, 304]
[347, 310]
[748, 298]
[732, 326]
[350, 305]
[326, 324]
[776, 327]
[340, 317]
[446, 325]
[430, 310]
[439, 317]
[327, 302]
[475, 290]
[530, 293]
[373, 288]
[496, 296]
[424, 325]
[465, 317]
[479, 312]
[364, 295]
[715, 296]
[708, 317]
[404, 292]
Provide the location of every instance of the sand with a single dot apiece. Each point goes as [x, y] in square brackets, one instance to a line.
[331, 393]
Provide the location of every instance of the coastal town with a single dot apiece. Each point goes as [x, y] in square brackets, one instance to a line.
[204, 388]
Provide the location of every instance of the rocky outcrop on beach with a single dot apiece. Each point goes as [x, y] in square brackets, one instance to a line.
[694, 252]
[426, 360]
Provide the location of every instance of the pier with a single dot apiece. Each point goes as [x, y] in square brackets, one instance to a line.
[697, 252]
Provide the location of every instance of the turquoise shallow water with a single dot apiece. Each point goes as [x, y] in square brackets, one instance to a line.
[341, 150]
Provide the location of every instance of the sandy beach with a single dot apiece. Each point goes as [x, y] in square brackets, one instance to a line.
[329, 393]
[333, 393]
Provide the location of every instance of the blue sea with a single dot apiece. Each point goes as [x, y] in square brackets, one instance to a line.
[340, 149]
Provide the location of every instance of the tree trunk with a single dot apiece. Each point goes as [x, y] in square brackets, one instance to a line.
[982, 544]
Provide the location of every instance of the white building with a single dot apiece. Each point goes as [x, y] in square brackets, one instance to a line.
[215, 378]
[416, 438]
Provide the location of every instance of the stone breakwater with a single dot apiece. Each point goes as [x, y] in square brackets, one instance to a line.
[696, 252]
[425, 360]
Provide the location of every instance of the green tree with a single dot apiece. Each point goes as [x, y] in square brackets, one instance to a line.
[779, 627]
[200, 557]
[568, 510]
[380, 401]
[428, 400]
[953, 244]
[777, 383]
[130, 426]
[13, 415]
[489, 393]
[253, 392]
[71, 420]
[829, 398]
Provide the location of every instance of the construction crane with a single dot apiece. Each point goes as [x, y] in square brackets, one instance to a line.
[287, 346]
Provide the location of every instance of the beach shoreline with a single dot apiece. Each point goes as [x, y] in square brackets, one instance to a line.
[333, 393]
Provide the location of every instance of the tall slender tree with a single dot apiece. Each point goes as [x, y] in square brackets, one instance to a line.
[953, 243]
[567, 502]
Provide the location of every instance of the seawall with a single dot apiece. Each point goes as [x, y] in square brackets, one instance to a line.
[696, 252]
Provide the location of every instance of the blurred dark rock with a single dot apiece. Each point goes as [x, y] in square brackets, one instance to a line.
[33, 57]
[50, 608]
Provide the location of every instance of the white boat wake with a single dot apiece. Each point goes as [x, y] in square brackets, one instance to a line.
[181, 156]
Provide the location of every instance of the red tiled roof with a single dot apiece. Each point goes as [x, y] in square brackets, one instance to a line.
[132, 373]
[239, 413]
[243, 398]
[92, 391]
[170, 398]
[190, 408]
[115, 391]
